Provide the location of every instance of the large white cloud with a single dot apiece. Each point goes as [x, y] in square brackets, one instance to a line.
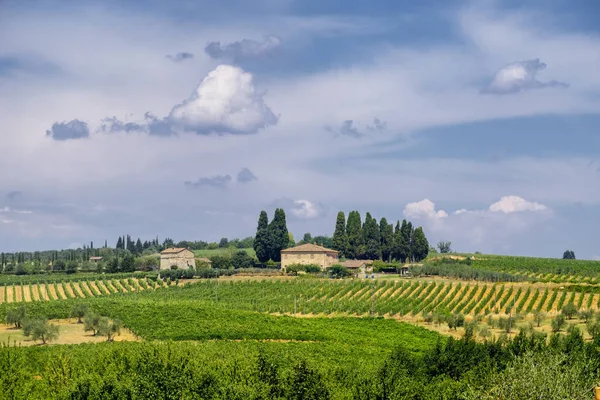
[424, 209]
[226, 101]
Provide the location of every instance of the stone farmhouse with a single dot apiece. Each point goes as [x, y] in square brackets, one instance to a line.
[182, 258]
[309, 254]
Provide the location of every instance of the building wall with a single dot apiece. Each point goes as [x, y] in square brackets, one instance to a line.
[183, 260]
[325, 260]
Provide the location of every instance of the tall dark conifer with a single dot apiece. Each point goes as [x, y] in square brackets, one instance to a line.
[261, 240]
[386, 236]
[420, 245]
[372, 250]
[340, 237]
[278, 235]
[354, 233]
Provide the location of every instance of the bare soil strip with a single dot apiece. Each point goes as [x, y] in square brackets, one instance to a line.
[138, 286]
[26, 294]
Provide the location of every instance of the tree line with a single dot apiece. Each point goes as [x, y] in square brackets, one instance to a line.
[352, 238]
[378, 241]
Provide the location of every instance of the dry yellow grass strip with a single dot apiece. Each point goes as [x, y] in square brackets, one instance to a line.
[2, 294]
[120, 288]
[595, 302]
[10, 296]
[35, 293]
[43, 292]
[86, 287]
[18, 293]
[77, 290]
[69, 290]
[94, 288]
[111, 287]
[26, 294]
[51, 289]
[61, 291]
[102, 287]
[137, 284]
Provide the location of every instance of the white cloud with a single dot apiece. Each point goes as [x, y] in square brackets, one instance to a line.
[424, 209]
[511, 204]
[306, 209]
[226, 101]
[520, 76]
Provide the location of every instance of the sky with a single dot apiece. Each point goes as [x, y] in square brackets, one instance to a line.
[477, 120]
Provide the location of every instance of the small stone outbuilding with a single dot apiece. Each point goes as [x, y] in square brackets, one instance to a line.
[358, 266]
[309, 254]
[180, 257]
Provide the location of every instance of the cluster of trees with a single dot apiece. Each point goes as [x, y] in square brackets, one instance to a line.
[272, 237]
[378, 241]
[569, 255]
[35, 328]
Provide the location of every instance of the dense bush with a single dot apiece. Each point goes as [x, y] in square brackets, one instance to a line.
[293, 269]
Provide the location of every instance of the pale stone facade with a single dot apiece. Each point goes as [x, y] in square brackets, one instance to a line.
[309, 254]
[182, 258]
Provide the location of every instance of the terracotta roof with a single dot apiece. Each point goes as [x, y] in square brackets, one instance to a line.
[173, 250]
[309, 248]
[204, 259]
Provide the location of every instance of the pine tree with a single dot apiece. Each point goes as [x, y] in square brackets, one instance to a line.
[278, 235]
[340, 237]
[354, 234]
[386, 235]
[261, 240]
[420, 245]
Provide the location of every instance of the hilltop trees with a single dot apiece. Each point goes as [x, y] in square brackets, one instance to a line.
[261, 241]
[272, 237]
[569, 255]
[340, 237]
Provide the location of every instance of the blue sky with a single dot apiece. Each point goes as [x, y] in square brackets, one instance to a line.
[478, 120]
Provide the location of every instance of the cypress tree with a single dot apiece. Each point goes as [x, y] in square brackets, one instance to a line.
[278, 235]
[119, 243]
[340, 237]
[371, 238]
[261, 240]
[420, 245]
[354, 234]
[386, 235]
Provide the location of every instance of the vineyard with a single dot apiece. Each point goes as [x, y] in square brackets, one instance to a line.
[386, 297]
[81, 288]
